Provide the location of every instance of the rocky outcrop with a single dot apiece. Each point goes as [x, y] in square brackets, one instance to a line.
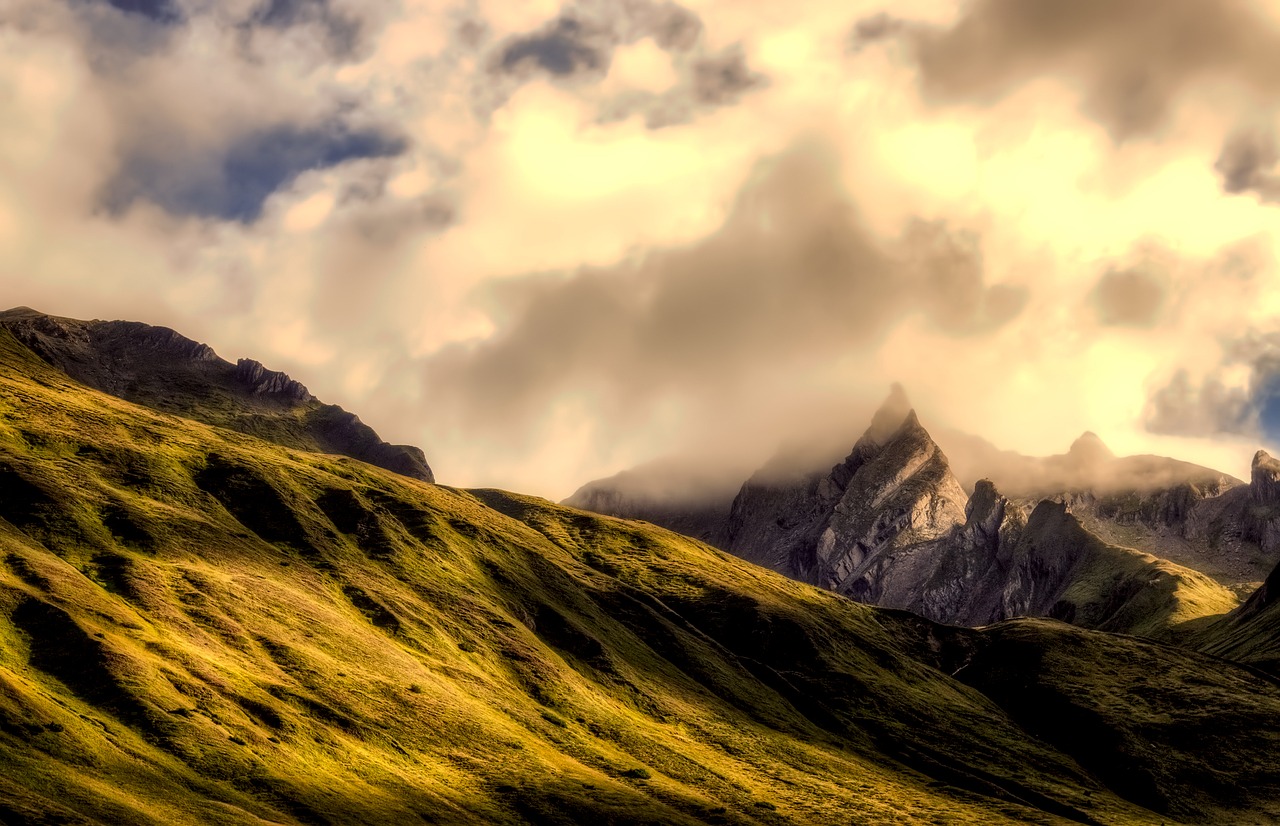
[832, 529]
[338, 431]
[889, 496]
[966, 567]
[1264, 479]
[159, 368]
[260, 381]
[1258, 516]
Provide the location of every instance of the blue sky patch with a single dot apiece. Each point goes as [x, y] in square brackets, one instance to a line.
[1267, 398]
[234, 184]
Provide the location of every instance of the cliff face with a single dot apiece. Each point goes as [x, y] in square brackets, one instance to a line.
[829, 526]
[886, 497]
[159, 368]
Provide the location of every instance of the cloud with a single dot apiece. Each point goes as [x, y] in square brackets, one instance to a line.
[1248, 163]
[705, 82]
[341, 31]
[873, 29]
[233, 181]
[792, 281]
[583, 36]
[1128, 297]
[1180, 408]
[1238, 395]
[542, 276]
[158, 11]
[576, 50]
[562, 48]
[1131, 58]
[720, 79]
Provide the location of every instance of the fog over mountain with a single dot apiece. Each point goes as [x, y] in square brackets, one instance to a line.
[548, 242]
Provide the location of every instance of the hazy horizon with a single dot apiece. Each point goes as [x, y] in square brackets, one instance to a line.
[547, 242]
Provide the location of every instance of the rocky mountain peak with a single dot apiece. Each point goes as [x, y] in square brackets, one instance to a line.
[1089, 451]
[983, 502]
[893, 413]
[1264, 484]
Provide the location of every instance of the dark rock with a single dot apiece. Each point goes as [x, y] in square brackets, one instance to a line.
[831, 529]
[1264, 483]
[263, 382]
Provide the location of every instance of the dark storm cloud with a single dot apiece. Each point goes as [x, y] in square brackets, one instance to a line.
[1214, 407]
[564, 47]
[342, 31]
[1248, 163]
[1181, 409]
[792, 280]
[577, 48]
[232, 182]
[721, 79]
[158, 11]
[1133, 57]
[875, 28]
[341, 34]
[1128, 297]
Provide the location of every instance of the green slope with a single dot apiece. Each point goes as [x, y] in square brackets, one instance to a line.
[1251, 633]
[199, 627]
[163, 370]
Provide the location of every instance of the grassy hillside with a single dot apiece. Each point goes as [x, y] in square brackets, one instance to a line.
[199, 627]
[163, 370]
[1251, 633]
[1108, 587]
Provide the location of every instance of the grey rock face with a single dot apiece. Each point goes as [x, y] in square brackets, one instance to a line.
[969, 566]
[1264, 481]
[900, 494]
[159, 368]
[263, 382]
[833, 529]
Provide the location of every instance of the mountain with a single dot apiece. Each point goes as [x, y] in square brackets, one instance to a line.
[198, 626]
[891, 525]
[158, 368]
[893, 490]
[1182, 512]
[1251, 633]
[1001, 563]
[689, 496]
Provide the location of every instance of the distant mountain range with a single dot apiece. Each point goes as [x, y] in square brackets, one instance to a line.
[1141, 544]
[210, 616]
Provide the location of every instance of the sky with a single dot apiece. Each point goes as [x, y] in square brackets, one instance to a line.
[547, 241]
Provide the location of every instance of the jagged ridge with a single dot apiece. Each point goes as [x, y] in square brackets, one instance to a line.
[890, 525]
[159, 368]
